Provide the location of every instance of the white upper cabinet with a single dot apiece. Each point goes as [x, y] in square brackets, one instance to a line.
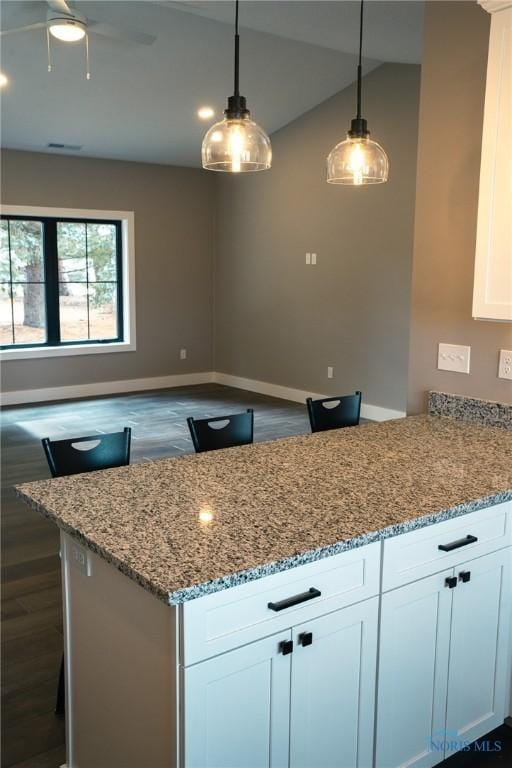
[492, 294]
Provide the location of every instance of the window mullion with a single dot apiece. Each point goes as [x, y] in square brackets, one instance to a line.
[51, 263]
[119, 281]
[87, 281]
[11, 289]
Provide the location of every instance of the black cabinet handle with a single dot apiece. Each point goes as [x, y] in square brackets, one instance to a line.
[459, 543]
[295, 600]
[465, 576]
[286, 647]
[450, 581]
[305, 638]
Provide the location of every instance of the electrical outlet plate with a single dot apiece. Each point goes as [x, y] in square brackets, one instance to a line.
[330, 372]
[183, 354]
[313, 258]
[79, 559]
[453, 357]
[308, 258]
[505, 366]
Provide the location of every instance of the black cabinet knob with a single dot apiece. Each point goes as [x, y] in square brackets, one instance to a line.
[450, 581]
[286, 647]
[465, 576]
[305, 638]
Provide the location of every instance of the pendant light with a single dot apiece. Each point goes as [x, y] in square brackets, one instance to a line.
[358, 160]
[236, 144]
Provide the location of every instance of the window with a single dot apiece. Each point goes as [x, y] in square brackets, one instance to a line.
[61, 284]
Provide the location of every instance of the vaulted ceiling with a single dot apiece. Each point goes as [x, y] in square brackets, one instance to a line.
[141, 101]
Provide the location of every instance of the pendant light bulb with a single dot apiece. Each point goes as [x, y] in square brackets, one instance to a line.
[358, 159]
[236, 144]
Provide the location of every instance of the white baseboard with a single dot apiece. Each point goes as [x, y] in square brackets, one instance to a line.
[48, 394]
[368, 411]
[27, 396]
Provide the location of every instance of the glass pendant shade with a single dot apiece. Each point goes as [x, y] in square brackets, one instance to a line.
[236, 144]
[357, 160]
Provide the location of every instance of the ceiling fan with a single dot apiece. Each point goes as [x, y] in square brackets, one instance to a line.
[69, 25]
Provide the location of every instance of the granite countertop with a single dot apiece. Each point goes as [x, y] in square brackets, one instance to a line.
[188, 526]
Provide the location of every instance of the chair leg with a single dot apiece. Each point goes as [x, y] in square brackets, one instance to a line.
[60, 703]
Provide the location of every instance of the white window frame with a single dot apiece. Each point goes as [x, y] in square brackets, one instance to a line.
[128, 280]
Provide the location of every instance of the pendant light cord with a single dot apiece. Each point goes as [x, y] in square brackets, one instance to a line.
[237, 52]
[359, 66]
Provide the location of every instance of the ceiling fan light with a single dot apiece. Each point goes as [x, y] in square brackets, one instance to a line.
[236, 145]
[356, 161]
[67, 30]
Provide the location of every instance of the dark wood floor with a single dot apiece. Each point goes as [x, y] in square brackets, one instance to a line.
[32, 737]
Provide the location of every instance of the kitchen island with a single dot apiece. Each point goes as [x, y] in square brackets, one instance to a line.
[222, 609]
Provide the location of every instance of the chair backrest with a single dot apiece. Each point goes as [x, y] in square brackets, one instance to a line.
[334, 412]
[87, 454]
[222, 431]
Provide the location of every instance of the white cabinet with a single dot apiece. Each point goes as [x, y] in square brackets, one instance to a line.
[413, 672]
[225, 620]
[312, 705]
[492, 294]
[443, 662]
[209, 684]
[237, 708]
[333, 689]
[477, 683]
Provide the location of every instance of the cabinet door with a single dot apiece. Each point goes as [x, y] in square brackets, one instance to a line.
[237, 708]
[413, 673]
[333, 689]
[477, 683]
[492, 297]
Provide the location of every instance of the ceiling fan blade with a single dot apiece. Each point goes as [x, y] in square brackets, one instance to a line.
[26, 28]
[120, 33]
[60, 6]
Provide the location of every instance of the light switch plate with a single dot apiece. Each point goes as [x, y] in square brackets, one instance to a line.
[505, 366]
[453, 357]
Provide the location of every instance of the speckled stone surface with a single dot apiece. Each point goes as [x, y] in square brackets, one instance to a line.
[470, 409]
[189, 526]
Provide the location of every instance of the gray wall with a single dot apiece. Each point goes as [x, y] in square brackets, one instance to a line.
[174, 250]
[450, 135]
[281, 321]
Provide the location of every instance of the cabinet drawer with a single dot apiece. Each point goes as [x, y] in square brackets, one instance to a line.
[439, 546]
[217, 623]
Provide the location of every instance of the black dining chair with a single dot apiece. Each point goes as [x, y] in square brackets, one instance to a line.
[85, 454]
[334, 412]
[88, 454]
[222, 431]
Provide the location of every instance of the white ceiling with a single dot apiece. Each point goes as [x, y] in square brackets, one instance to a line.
[141, 101]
